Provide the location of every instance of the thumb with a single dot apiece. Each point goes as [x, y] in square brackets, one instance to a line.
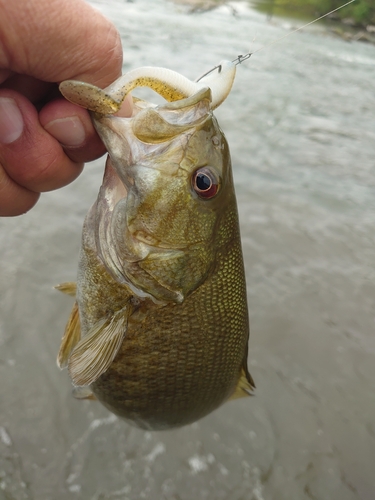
[54, 40]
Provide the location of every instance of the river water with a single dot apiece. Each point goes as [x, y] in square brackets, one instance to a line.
[300, 122]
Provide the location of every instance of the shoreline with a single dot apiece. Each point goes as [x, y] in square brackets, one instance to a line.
[345, 28]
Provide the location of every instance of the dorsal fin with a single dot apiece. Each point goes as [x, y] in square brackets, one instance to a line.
[69, 287]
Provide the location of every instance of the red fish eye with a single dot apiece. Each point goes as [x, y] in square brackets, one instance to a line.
[205, 183]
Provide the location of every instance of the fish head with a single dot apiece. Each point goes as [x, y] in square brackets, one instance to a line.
[166, 186]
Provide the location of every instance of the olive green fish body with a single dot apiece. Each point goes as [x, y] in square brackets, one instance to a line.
[159, 333]
[179, 362]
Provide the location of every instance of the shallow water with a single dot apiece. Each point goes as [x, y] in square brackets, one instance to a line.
[300, 122]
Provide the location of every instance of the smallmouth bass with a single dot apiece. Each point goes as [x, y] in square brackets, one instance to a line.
[159, 330]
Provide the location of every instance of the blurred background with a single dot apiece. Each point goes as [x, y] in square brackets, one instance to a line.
[358, 13]
[301, 127]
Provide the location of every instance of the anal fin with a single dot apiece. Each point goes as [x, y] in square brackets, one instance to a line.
[94, 354]
[245, 386]
[71, 337]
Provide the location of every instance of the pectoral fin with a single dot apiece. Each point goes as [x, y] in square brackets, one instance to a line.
[83, 393]
[71, 337]
[94, 354]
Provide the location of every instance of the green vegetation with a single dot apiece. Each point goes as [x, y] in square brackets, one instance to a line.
[362, 12]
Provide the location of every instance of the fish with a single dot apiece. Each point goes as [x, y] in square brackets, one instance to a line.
[159, 330]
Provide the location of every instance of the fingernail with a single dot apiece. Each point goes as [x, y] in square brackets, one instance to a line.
[126, 109]
[68, 131]
[11, 121]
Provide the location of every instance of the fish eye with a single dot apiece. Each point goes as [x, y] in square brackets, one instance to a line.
[205, 183]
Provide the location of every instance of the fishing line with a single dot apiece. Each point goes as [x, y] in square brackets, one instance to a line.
[241, 58]
[246, 56]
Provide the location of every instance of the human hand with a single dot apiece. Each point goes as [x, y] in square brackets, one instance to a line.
[44, 139]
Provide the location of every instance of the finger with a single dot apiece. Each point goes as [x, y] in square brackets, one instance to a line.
[81, 44]
[35, 90]
[31, 157]
[127, 107]
[14, 199]
[71, 125]
[5, 74]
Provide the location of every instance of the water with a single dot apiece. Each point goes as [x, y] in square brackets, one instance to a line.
[300, 122]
